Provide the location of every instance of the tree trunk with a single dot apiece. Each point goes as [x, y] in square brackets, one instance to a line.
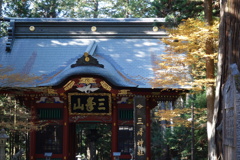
[210, 91]
[1, 1]
[95, 13]
[229, 54]
[127, 14]
[92, 150]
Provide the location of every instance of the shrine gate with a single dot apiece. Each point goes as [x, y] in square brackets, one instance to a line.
[94, 88]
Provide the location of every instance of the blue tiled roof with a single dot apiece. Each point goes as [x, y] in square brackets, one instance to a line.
[126, 61]
[127, 48]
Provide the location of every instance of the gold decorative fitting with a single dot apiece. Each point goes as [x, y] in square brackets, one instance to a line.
[32, 28]
[124, 92]
[94, 28]
[155, 28]
[106, 86]
[68, 85]
[51, 91]
[87, 59]
[87, 80]
[139, 106]
[86, 54]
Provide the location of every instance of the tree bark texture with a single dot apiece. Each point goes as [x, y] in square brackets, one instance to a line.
[229, 35]
[1, 2]
[96, 7]
[229, 53]
[210, 91]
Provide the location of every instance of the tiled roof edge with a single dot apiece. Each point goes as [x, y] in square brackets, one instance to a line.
[83, 19]
[88, 28]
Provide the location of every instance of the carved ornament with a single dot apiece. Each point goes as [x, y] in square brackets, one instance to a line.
[87, 60]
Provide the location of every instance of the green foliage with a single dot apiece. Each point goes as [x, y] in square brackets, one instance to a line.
[15, 119]
[179, 142]
[199, 100]
[17, 8]
[110, 9]
[79, 8]
[132, 9]
[176, 143]
[46, 8]
[14, 116]
[172, 139]
[175, 11]
[104, 142]
[84, 8]
[158, 141]
[3, 28]
[99, 134]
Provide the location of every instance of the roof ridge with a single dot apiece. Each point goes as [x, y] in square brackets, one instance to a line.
[87, 59]
[35, 28]
[82, 19]
[91, 48]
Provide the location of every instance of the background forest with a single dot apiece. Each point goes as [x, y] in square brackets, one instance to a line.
[102, 8]
[175, 136]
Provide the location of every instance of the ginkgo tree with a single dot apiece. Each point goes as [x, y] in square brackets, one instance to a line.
[184, 62]
[177, 119]
[15, 117]
[189, 50]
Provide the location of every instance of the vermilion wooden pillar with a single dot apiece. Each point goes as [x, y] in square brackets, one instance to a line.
[114, 126]
[65, 133]
[32, 144]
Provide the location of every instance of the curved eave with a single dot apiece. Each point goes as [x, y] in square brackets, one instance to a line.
[113, 77]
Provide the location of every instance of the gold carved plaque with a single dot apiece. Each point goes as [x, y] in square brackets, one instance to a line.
[87, 80]
[90, 104]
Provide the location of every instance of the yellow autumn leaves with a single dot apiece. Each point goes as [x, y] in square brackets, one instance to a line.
[181, 117]
[184, 63]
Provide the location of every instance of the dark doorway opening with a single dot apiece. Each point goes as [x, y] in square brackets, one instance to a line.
[93, 141]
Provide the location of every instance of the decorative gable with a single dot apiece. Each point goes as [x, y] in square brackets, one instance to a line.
[87, 60]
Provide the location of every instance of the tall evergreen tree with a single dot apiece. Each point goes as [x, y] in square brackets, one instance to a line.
[83, 9]
[175, 11]
[132, 9]
[16, 8]
[46, 8]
